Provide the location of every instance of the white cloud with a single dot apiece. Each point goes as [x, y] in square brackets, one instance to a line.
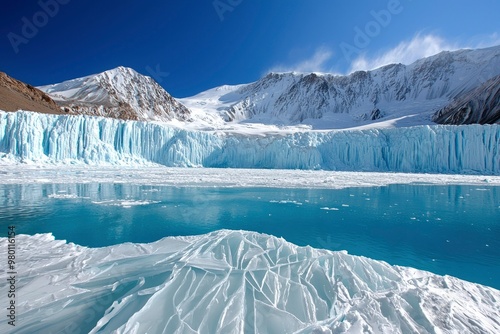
[420, 46]
[405, 52]
[490, 40]
[317, 63]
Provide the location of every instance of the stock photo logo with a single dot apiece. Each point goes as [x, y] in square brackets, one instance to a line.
[31, 25]
[156, 73]
[224, 6]
[364, 35]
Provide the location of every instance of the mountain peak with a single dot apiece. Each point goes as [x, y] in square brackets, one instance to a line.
[121, 71]
[120, 93]
[402, 94]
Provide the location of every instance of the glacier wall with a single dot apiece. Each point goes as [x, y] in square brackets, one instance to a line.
[41, 138]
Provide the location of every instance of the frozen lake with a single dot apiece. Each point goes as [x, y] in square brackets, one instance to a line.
[443, 228]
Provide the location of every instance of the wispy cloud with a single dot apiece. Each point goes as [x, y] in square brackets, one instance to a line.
[420, 46]
[405, 52]
[487, 41]
[316, 63]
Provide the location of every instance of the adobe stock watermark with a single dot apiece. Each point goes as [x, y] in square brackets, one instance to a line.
[365, 34]
[487, 73]
[223, 6]
[93, 313]
[255, 323]
[31, 27]
[328, 243]
[156, 73]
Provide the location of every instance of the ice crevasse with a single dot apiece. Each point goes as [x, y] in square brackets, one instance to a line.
[34, 137]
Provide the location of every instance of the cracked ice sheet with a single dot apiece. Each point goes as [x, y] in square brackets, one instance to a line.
[234, 282]
[227, 177]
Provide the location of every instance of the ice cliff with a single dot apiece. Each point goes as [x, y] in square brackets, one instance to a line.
[32, 137]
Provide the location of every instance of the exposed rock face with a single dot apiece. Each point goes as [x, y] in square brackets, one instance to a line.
[374, 115]
[17, 95]
[481, 105]
[119, 93]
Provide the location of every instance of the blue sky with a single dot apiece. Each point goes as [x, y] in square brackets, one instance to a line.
[191, 45]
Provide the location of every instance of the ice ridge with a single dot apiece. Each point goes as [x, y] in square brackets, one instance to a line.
[235, 282]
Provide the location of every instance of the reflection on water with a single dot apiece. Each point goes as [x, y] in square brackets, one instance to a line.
[444, 229]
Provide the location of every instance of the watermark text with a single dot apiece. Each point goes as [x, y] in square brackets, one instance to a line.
[31, 26]
[12, 275]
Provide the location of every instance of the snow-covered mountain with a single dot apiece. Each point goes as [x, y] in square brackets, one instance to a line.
[481, 105]
[392, 96]
[119, 93]
[405, 94]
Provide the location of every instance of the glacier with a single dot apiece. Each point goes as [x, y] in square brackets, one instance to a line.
[41, 138]
[234, 282]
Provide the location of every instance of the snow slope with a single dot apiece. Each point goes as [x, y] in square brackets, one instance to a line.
[392, 96]
[32, 137]
[403, 95]
[120, 93]
[479, 106]
[234, 282]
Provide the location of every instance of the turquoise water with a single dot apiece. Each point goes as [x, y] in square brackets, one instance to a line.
[451, 230]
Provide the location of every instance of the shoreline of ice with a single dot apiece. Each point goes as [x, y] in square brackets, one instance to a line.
[226, 177]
